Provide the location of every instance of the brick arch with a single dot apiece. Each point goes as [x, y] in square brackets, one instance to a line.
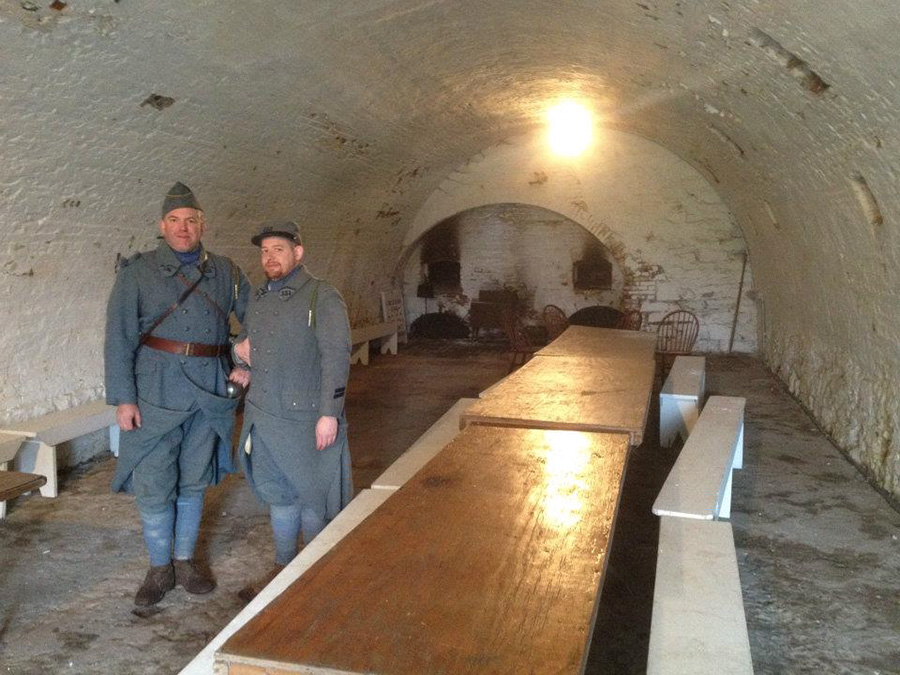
[603, 235]
[676, 242]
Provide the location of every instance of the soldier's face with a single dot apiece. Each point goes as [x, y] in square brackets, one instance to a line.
[279, 256]
[182, 229]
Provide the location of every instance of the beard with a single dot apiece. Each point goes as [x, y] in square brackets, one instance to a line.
[276, 272]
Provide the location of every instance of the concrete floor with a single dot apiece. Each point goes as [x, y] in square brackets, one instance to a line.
[818, 548]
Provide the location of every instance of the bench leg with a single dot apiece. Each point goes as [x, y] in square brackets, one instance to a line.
[389, 345]
[676, 416]
[361, 354]
[725, 507]
[739, 449]
[738, 463]
[114, 439]
[39, 458]
[4, 466]
[668, 421]
[364, 353]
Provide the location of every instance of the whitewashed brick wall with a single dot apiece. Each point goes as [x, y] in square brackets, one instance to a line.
[675, 243]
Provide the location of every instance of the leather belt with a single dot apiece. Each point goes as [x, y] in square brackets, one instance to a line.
[185, 348]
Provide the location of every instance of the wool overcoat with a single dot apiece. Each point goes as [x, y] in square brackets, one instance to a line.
[300, 356]
[170, 389]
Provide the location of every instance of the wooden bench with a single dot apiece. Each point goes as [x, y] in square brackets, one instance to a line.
[36, 453]
[360, 337]
[356, 511]
[699, 484]
[680, 398]
[424, 449]
[14, 483]
[698, 625]
[490, 560]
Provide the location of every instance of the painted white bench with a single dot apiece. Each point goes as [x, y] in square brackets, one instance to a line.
[356, 511]
[680, 398]
[699, 484]
[424, 449]
[698, 625]
[37, 452]
[360, 337]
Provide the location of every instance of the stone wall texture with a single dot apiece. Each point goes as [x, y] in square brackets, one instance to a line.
[352, 117]
[675, 243]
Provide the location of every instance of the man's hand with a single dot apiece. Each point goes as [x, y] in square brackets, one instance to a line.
[240, 376]
[326, 432]
[128, 416]
[242, 350]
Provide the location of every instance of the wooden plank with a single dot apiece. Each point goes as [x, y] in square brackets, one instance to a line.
[424, 449]
[9, 445]
[356, 511]
[609, 394]
[601, 343]
[64, 425]
[490, 560]
[698, 625]
[699, 484]
[15, 483]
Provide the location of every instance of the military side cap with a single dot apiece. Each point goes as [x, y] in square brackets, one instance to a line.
[287, 229]
[179, 196]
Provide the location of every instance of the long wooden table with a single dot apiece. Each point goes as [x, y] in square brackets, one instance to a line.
[602, 343]
[588, 379]
[490, 560]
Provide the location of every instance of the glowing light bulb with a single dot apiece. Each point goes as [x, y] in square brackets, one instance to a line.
[571, 128]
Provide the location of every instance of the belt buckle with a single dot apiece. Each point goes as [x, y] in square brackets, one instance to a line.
[188, 348]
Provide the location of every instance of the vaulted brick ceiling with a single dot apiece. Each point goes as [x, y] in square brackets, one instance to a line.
[351, 113]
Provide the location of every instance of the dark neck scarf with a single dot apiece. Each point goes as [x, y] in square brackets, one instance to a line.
[190, 257]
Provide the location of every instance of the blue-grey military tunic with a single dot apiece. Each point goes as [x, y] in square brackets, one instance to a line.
[300, 356]
[172, 391]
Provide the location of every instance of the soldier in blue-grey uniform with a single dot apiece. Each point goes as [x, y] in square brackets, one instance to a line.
[293, 443]
[167, 343]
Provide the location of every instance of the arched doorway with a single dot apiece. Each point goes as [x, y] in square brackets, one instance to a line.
[519, 252]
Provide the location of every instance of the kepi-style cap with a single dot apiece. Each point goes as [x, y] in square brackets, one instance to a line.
[179, 196]
[287, 229]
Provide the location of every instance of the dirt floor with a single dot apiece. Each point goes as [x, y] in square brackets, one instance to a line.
[818, 547]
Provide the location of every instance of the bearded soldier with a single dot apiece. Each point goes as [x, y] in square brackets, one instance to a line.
[294, 438]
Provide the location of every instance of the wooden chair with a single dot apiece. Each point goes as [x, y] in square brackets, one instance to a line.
[630, 320]
[555, 321]
[520, 344]
[675, 336]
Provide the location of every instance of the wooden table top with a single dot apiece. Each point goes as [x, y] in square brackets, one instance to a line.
[601, 343]
[15, 483]
[578, 393]
[490, 560]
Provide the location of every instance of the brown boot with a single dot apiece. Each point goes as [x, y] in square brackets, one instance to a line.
[193, 577]
[251, 590]
[157, 583]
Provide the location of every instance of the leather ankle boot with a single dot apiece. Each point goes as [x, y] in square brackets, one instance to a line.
[157, 583]
[193, 577]
[251, 590]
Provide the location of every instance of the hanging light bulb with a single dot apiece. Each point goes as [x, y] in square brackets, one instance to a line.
[571, 128]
